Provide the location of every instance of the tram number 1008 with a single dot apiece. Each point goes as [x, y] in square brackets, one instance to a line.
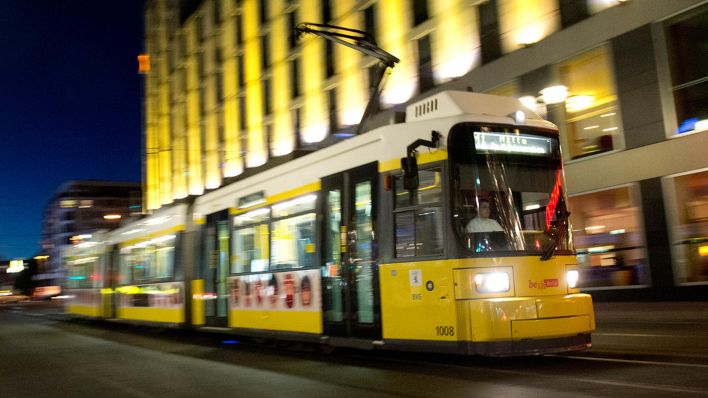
[444, 331]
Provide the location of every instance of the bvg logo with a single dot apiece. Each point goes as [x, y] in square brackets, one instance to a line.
[542, 285]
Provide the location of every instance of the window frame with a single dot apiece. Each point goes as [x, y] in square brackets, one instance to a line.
[413, 208]
[272, 220]
[173, 277]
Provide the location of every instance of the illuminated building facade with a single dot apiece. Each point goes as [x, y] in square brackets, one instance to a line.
[231, 88]
[80, 208]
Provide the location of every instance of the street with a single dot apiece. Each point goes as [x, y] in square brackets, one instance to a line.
[640, 349]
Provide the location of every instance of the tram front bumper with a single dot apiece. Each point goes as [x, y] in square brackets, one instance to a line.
[524, 325]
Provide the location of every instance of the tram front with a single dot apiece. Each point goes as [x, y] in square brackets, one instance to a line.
[516, 278]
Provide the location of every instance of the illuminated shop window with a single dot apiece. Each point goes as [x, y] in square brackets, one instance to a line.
[690, 225]
[688, 55]
[607, 233]
[592, 114]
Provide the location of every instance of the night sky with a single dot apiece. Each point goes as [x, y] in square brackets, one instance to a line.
[70, 106]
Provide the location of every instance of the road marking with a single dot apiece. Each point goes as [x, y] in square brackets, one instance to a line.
[635, 361]
[640, 335]
[654, 387]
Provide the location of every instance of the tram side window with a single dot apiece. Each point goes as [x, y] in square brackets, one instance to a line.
[82, 272]
[149, 260]
[418, 216]
[250, 241]
[293, 233]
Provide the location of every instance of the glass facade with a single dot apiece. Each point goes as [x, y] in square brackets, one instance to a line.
[608, 237]
[688, 56]
[689, 225]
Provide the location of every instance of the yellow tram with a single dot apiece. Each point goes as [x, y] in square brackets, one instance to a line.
[446, 233]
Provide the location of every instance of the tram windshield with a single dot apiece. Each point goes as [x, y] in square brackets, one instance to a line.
[508, 190]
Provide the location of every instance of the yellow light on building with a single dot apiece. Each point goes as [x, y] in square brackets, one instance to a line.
[394, 28]
[455, 42]
[524, 22]
[112, 216]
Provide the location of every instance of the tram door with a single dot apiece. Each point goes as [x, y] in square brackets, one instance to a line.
[350, 285]
[216, 272]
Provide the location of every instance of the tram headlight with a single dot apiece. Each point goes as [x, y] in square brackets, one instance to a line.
[492, 282]
[572, 277]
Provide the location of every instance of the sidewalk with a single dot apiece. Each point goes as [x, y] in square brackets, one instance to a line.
[662, 311]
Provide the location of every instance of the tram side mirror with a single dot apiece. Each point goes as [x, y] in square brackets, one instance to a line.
[409, 165]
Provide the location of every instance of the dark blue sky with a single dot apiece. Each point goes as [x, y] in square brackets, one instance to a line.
[70, 107]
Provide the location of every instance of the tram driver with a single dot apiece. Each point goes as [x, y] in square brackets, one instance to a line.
[482, 222]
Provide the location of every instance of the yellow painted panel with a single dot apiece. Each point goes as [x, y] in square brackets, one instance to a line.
[423, 158]
[171, 230]
[305, 189]
[550, 328]
[570, 305]
[84, 310]
[290, 321]
[490, 319]
[410, 310]
[149, 314]
[197, 304]
[533, 277]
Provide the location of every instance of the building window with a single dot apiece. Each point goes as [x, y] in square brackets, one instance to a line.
[420, 11]
[242, 113]
[265, 52]
[370, 20]
[688, 55]
[489, 31]
[267, 100]
[690, 225]
[294, 77]
[239, 30]
[332, 108]
[425, 65]
[418, 216]
[607, 234]
[239, 71]
[329, 59]
[263, 7]
[297, 125]
[326, 11]
[292, 24]
[573, 11]
[216, 6]
[592, 114]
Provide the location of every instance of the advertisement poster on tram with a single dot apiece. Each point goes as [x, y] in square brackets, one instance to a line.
[281, 291]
